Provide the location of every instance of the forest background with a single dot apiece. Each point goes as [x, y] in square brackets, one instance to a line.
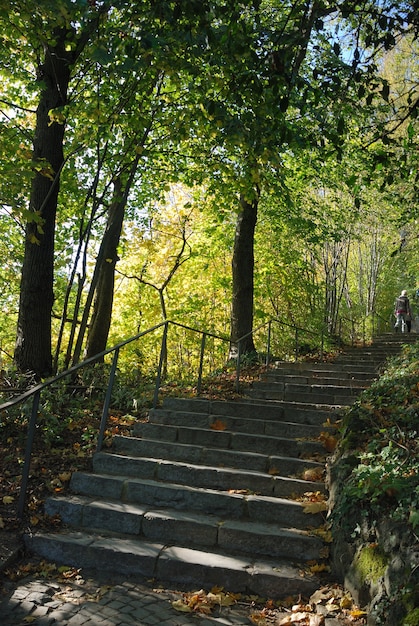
[217, 163]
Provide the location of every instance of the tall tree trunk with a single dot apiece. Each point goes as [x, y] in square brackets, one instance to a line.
[102, 309]
[243, 266]
[33, 341]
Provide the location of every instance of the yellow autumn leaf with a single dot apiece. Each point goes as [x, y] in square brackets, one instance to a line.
[34, 239]
[325, 535]
[221, 598]
[8, 499]
[346, 602]
[357, 613]
[319, 567]
[315, 507]
[179, 605]
[64, 476]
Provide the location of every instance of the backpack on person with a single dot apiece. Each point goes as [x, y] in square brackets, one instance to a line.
[401, 304]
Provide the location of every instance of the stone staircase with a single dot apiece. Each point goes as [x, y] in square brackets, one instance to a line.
[217, 493]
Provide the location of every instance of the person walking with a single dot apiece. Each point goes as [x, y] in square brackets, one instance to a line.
[402, 312]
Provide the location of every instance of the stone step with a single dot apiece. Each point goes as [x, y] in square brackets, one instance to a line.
[186, 528]
[225, 504]
[326, 367]
[316, 378]
[314, 395]
[132, 557]
[275, 482]
[242, 450]
[286, 417]
[251, 408]
[209, 492]
[349, 388]
[210, 430]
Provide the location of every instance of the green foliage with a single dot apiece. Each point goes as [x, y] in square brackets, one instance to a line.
[381, 430]
[227, 98]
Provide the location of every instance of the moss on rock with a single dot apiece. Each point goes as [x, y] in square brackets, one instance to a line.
[371, 564]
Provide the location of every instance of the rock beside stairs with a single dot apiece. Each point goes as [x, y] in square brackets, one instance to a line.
[217, 493]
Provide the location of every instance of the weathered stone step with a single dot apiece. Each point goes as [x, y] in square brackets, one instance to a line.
[201, 495]
[336, 388]
[326, 367]
[336, 396]
[238, 452]
[367, 360]
[185, 528]
[211, 430]
[301, 422]
[267, 483]
[316, 378]
[184, 566]
[251, 408]
[231, 505]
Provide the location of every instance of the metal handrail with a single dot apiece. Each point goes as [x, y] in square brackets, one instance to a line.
[36, 390]
[269, 323]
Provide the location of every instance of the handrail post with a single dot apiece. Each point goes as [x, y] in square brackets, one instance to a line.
[28, 454]
[160, 367]
[322, 345]
[238, 367]
[201, 363]
[268, 344]
[107, 401]
[296, 344]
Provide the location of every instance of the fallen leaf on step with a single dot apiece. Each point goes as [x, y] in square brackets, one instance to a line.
[356, 613]
[345, 602]
[218, 425]
[319, 567]
[302, 618]
[329, 441]
[179, 605]
[313, 474]
[315, 507]
[323, 533]
[259, 619]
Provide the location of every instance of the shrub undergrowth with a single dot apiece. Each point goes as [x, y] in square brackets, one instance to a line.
[381, 431]
[377, 466]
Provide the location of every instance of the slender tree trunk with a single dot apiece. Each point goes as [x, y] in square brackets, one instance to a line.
[102, 309]
[243, 267]
[104, 273]
[33, 341]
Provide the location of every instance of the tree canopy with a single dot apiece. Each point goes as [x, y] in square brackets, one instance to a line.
[285, 127]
